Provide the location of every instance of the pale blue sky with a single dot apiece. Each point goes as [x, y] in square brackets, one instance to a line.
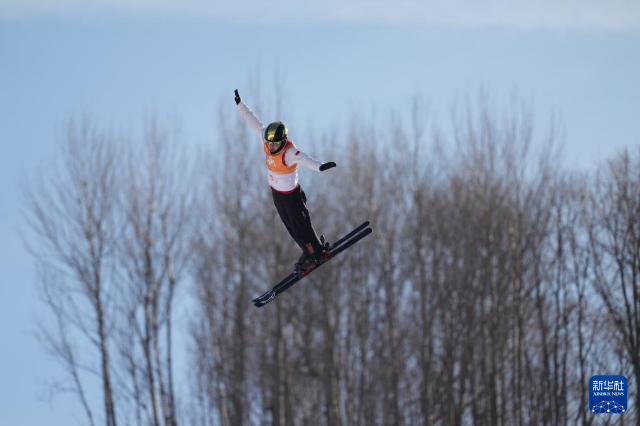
[120, 60]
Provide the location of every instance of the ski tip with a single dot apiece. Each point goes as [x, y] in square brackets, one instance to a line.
[363, 225]
[265, 295]
[261, 303]
[264, 299]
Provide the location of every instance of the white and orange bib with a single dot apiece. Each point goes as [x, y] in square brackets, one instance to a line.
[282, 177]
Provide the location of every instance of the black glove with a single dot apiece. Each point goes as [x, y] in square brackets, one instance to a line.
[327, 166]
[237, 97]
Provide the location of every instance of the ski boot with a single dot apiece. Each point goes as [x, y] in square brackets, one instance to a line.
[298, 264]
[306, 263]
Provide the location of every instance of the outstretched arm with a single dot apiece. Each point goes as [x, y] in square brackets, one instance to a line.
[295, 156]
[248, 115]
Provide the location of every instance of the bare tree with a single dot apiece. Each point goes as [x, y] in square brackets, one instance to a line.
[615, 243]
[73, 215]
[158, 195]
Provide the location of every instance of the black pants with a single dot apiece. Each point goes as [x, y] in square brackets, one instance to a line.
[292, 209]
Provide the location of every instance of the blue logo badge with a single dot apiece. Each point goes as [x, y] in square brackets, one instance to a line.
[608, 394]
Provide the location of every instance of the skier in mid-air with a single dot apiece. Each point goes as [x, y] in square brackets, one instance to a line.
[283, 158]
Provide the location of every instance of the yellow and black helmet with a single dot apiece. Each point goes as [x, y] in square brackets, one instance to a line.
[276, 133]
